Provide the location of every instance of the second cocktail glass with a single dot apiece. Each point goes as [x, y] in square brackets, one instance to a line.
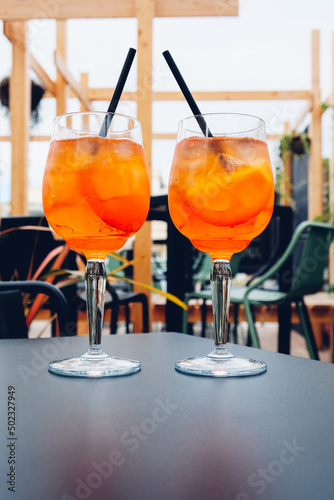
[221, 196]
[96, 195]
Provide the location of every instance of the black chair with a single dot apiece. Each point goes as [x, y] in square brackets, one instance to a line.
[12, 318]
[23, 250]
[114, 299]
[119, 295]
[125, 299]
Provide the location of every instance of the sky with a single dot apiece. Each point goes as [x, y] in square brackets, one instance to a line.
[267, 47]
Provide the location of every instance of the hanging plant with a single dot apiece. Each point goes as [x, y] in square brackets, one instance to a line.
[294, 144]
[37, 92]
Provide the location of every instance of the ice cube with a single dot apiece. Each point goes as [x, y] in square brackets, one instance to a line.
[87, 146]
[247, 149]
[227, 162]
[222, 167]
[193, 148]
[59, 188]
[125, 149]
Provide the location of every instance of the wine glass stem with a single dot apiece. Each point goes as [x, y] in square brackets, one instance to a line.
[95, 289]
[220, 278]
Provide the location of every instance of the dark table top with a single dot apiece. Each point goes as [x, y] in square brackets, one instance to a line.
[164, 435]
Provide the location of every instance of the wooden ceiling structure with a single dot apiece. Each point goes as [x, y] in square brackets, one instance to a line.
[16, 13]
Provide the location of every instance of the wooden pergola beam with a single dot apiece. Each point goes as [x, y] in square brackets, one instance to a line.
[48, 84]
[142, 246]
[34, 64]
[331, 170]
[19, 106]
[62, 90]
[315, 179]
[70, 80]
[32, 138]
[103, 94]
[99, 94]
[76, 9]
[237, 95]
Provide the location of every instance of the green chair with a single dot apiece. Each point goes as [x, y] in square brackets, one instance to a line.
[203, 275]
[307, 278]
[202, 267]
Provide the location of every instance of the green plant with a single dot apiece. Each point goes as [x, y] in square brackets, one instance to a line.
[327, 215]
[324, 106]
[78, 276]
[294, 144]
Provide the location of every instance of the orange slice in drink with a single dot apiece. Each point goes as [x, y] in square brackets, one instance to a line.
[246, 192]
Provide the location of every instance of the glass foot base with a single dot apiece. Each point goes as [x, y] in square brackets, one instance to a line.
[226, 365]
[94, 366]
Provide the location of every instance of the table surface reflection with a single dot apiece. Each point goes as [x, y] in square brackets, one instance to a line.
[160, 434]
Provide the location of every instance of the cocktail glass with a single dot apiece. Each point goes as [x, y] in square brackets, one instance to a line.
[96, 195]
[221, 195]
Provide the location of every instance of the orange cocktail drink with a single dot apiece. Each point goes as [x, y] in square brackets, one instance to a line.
[221, 196]
[96, 195]
[221, 192]
[96, 192]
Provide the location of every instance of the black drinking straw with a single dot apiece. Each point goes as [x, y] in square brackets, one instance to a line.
[117, 92]
[187, 94]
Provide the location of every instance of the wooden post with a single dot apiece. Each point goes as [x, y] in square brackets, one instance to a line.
[315, 182]
[84, 84]
[331, 173]
[145, 14]
[48, 84]
[69, 80]
[86, 9]
[19, 105]
[61, 86]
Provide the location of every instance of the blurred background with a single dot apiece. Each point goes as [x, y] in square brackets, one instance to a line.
[278, 59]
[266, 47]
